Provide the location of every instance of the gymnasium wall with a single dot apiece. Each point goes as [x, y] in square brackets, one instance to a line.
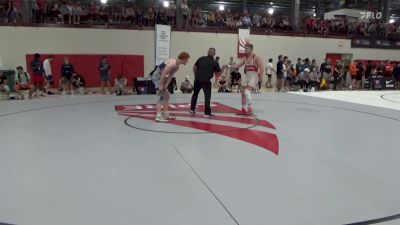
[16, 42]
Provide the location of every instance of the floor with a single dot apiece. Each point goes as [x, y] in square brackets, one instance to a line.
[303, 159]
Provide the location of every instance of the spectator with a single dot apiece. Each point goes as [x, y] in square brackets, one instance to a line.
[360, 73]
[369, 69]
[172, 87]
[304, 80]
[4, 88]
[120, 85]
[380, 70]
[92, 11]
[118, 12]
[218, 74]
[246, 21]
[314, 66]
[78, 83]
[279, 73]
[211, 19]
[231, 66]
[23, 82]
[388, 69]
[306, 64]
[337, 75]
[236, 80]
[171, 11]
[64, 12]
[314, 77]
[70, 7]
[130, 14]
[223, 85]
[67, 70]
[11, 12]
[185, 12]
[38, 76]
[257, 20]
[187, 86]
[326, 72]
[76, 13]
[299, 65]
[270, 69]
[396, 75]
[48, 73]
[105, 73]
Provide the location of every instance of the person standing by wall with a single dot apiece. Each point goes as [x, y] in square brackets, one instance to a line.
[270, 69]
[38, 76]
[360, 74]
[48, 73]
[204, 70]
[326, 73]
[105, 73]
[279, 73]
[67, 69]
[337, 75]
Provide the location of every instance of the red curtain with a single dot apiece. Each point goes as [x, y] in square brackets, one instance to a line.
[87, 66]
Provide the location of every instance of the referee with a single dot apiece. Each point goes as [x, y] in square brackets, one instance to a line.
[204, 70]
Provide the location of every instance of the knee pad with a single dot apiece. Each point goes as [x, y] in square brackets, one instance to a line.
[247, 93]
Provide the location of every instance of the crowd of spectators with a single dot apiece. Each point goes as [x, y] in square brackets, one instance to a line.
[307, 75]
[353, 28]
[69, 12]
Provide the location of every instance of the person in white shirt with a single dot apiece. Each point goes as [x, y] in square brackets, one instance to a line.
[48, 73]
[270, 69]
[185, 12]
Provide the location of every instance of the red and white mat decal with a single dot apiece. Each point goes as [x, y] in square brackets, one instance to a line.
[263, 139]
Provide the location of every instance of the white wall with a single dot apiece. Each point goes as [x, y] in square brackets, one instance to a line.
[18, 41]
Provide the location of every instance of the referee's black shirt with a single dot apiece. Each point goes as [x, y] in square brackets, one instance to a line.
[206, 67]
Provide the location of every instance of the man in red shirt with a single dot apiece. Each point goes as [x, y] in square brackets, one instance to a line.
[388, 69]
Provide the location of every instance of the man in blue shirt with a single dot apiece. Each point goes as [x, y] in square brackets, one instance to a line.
[67, 69]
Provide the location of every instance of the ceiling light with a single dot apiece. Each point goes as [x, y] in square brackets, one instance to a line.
[166, 4]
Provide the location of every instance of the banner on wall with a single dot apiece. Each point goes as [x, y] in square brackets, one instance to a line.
[369, 43]
[163, 43]
[244, 38]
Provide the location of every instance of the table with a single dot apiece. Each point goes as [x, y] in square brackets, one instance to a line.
[145, 87]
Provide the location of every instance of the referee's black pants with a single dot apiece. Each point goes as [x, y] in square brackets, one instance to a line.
[206, 86]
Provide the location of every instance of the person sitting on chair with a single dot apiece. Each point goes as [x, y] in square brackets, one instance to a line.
[4, 86]
[187, 86]
[236, 80]
[120, 84]
[23, 82]
[223, 85]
